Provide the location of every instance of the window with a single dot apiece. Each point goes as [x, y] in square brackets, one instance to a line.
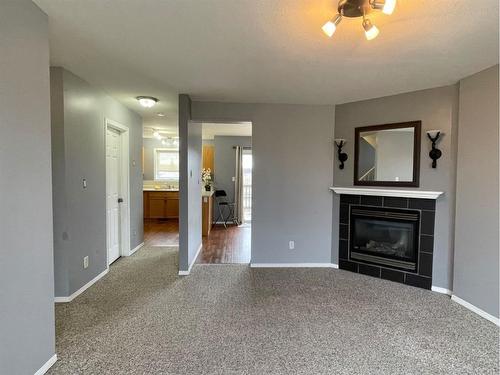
[166, 164]
[247, 185]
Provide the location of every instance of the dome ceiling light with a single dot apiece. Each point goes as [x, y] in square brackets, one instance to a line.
[359, 8]
[147, 101]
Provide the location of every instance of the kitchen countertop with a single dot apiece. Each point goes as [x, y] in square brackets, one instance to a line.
[160, 189]
[205, 193]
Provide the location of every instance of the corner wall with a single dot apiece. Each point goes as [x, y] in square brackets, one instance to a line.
[476, 278]
[78, 114]
[190, 152]
[292, 150]
[437, 109]
[27, 338]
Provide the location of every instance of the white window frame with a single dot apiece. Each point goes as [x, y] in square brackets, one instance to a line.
[155, 157]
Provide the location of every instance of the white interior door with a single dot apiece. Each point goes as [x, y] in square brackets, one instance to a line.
[113, 155]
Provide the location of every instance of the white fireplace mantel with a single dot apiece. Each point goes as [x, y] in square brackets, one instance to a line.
[387, 192]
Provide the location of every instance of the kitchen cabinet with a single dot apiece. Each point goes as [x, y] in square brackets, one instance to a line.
[161, 204]
[208, 157]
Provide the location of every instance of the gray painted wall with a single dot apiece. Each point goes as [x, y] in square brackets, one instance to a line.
[27, 339]
[437, 109]
[225, 163]
[293, 155]
[190, 149]
[58, 180]
[476, 236]
[80, 214]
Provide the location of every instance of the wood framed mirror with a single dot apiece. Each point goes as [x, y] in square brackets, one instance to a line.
[387, 155]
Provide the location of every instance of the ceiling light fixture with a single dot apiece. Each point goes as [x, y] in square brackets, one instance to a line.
[147, 101]
[170, 142]
[359, 8]
[160, 114]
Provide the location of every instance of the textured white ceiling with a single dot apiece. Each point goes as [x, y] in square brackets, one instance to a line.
[210, 130]
[266, 51]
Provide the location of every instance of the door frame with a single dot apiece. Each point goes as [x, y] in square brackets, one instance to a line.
[124, 186]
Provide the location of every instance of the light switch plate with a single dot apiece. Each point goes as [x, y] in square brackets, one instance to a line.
[86, 261]
[291, 245]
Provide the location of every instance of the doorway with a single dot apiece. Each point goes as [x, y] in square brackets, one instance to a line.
[227, 207]
[160, 172]
[117, 192]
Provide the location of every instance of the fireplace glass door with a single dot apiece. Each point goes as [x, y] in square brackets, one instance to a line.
[383, 236]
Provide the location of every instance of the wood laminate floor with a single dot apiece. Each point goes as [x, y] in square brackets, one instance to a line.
[231, 245]
[161, 232]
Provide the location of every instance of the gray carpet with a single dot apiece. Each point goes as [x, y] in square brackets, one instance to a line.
[229, 319]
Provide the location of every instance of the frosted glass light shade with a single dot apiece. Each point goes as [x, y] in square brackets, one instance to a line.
[330, 27]
[371, 31]
[389, 6]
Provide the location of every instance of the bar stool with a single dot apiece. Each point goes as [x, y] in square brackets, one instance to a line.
[222, 201]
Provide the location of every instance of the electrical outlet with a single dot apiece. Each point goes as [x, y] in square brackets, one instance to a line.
[85, 261]
[291, 245]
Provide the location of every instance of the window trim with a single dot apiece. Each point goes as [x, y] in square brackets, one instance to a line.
[155, 159]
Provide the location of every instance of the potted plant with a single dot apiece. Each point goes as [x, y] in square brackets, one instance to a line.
[206, 177]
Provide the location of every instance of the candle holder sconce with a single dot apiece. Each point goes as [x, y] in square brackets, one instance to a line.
[434, 153]
[342, 156]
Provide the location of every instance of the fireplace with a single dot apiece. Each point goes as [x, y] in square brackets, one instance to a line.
[387, 237]
[384, 236]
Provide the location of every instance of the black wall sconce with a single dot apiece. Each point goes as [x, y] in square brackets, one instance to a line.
[342, 156]
[434, 153]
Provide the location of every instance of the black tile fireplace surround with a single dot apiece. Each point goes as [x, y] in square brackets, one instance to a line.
[405, 256]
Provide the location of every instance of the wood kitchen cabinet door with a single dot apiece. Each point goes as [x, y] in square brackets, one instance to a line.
[157, 207]
[145, 202]
[208, 157]
[172, 208]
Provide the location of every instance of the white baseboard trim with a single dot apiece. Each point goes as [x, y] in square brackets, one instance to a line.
[438, 289]
[475, 309]
[185, 273]
[294, 265]
[135, 249]
[42, 370]
[81, 290]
